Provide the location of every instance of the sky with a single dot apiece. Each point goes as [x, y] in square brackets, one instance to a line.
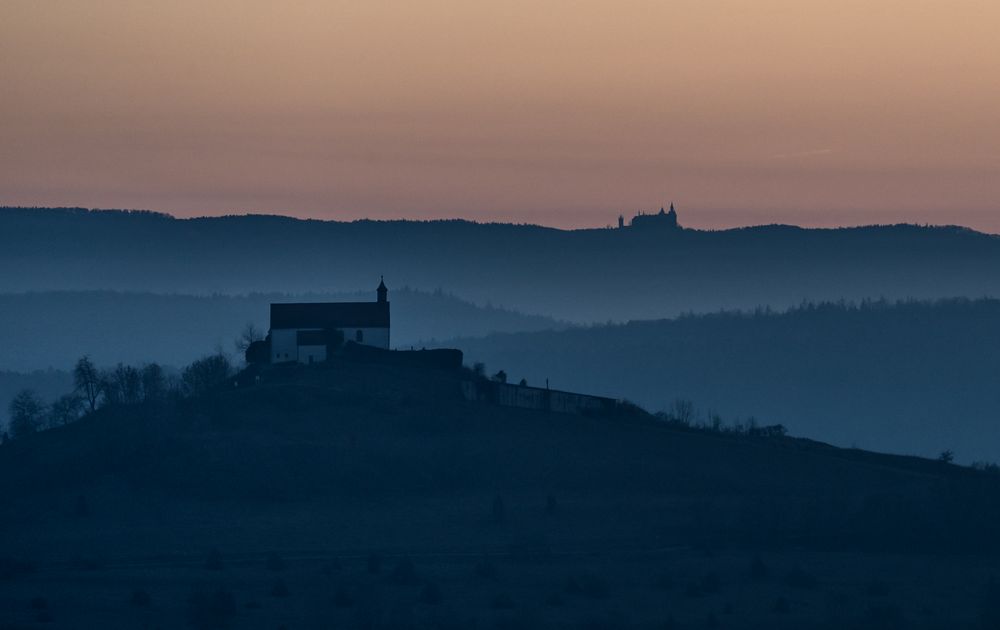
[564, 113]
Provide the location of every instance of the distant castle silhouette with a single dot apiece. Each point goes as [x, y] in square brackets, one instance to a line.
[663, 220]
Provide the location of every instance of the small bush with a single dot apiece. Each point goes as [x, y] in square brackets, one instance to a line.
[87, 564]
[140, 599]
[708, 584]
[214, 561]
[986, 467]
[11, 568]
[780, 606]
[589, 585]
[798, 578]
[430, 594]
[769, 431]
[211, 609]
[885, 617]
[877, 588]
[486, 569]
[81, 509]
[274, 563]
[330, 568]
[499, 510]
[43, 616]
[758, 570]
[279, 588]
[613, 620]
[664, 582]
[551, 504]
[39, 603]
[343, 598]
[502, 601]
[404, 573]
[989, 613]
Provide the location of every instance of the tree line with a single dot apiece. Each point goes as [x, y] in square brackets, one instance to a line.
[123, 385]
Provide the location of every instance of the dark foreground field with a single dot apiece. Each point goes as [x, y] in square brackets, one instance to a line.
[663, 588]
[374, 497]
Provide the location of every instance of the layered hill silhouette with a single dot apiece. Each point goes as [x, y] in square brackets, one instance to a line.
[41, 330]
[907, 377]
[578, 275]
[374, 496]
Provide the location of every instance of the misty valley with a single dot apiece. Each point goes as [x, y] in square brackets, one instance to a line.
[646, 426]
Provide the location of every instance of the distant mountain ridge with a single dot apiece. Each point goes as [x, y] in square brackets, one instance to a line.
[577, 275]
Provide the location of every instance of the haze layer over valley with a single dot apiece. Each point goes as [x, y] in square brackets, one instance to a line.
[919, 378]
[578, 276]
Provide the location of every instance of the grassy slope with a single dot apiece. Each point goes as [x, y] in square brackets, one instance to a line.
[353, 436]
[332, 463]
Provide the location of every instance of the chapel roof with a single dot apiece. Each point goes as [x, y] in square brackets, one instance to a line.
[329, 315]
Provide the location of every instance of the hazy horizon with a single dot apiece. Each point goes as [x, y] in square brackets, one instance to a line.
[685, 219]
[316, 314]
[565, 113]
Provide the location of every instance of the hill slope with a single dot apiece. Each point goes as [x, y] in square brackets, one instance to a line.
[581, 275]
[911, 377]
[325, 466]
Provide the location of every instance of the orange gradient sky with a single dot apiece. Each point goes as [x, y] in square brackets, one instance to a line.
[557, 112]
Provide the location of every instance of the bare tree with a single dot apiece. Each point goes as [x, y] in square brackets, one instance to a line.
[249, 335]
[122, 386]
[206, 374]
[683, 411]
[154, 383]
[87, 379]
[65, 409]
[27, 412]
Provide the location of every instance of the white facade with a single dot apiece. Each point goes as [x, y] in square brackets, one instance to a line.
[303, 331]
[312, 354]
[285, 348]
[376, 337]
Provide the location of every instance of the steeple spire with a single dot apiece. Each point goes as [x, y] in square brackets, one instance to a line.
[381, 291]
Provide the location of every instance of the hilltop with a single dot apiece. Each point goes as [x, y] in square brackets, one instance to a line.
[389, 500]
[573, 275]
[40, 330]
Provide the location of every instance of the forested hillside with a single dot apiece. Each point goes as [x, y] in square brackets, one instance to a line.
[576, 275]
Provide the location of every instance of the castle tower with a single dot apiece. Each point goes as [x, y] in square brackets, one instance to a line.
[672, 216]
